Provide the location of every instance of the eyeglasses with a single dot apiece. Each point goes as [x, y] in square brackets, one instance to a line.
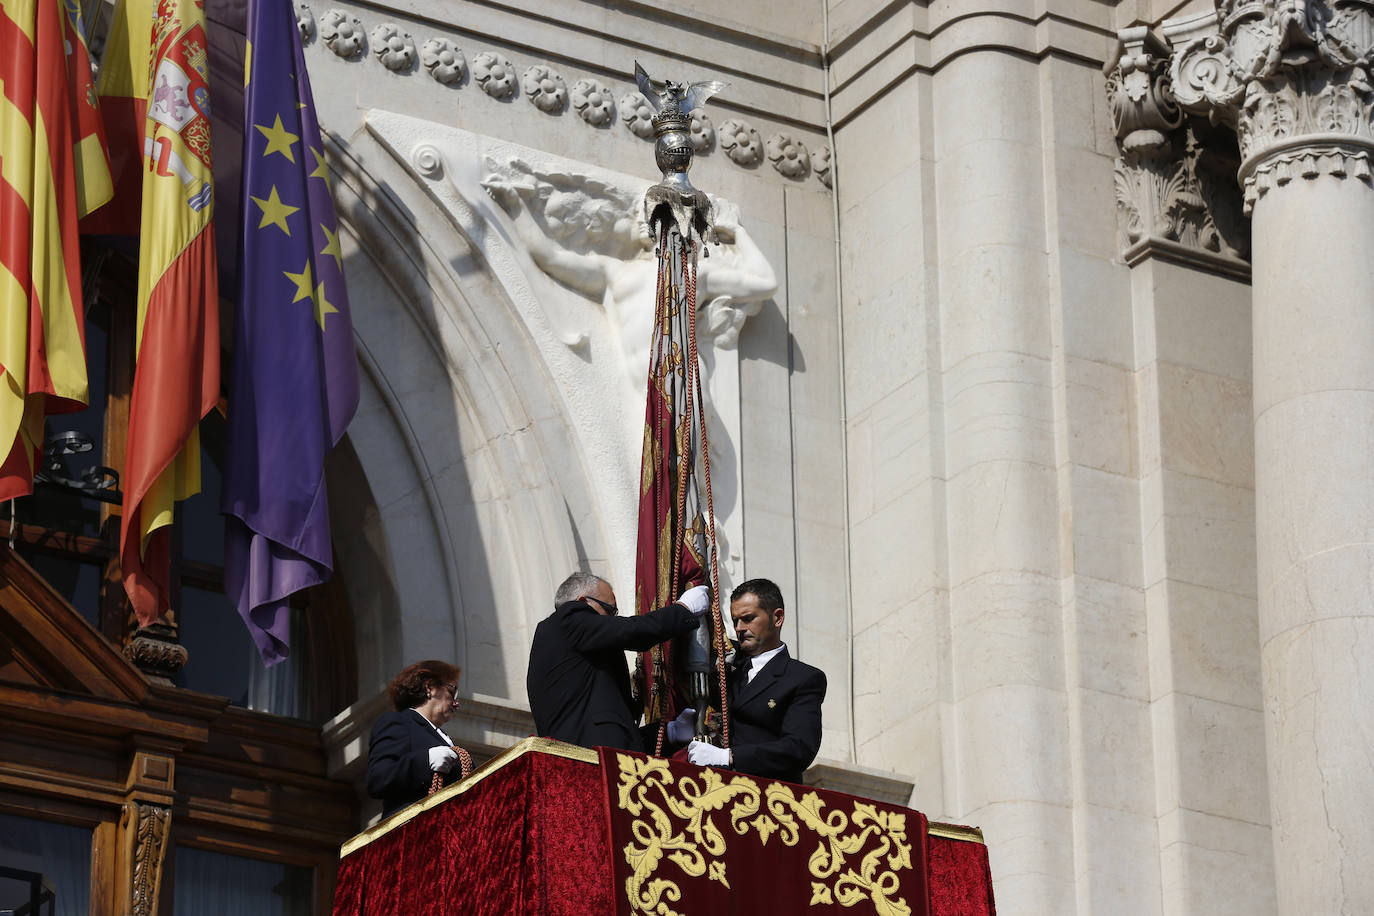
[451, 690]
[609, 607]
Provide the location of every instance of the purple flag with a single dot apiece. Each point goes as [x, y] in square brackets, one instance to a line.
[294, 383]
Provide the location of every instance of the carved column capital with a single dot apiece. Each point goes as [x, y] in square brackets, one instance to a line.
[1292, 79]
[155, 651]
[1172, 194]
[1139, 91]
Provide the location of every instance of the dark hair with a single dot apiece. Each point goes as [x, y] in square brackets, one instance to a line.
[411, 687]
[765, 590]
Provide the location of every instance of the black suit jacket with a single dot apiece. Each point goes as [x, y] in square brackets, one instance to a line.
[398, 760]
[578, 682]
[775, 719]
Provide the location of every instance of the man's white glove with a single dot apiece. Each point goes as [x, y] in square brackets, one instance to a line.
[696, 599]
[684, 727]
[442, 758]
[707, 755]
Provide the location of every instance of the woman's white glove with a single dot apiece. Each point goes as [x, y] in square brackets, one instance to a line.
[696, 599]
[442, 758]
[708, 755]
[683, 728]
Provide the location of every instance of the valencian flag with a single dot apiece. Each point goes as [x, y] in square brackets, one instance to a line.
[295, 370]
[176, 370]
[676, 544]
[53, 169]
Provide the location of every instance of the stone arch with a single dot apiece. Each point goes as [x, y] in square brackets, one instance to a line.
[479, 501]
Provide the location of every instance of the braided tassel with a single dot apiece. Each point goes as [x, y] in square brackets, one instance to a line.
[465, 764]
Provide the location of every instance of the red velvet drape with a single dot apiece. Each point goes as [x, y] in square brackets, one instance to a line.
[528, 839]
[533, 838]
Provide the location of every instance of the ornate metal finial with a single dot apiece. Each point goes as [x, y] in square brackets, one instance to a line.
[673, 151]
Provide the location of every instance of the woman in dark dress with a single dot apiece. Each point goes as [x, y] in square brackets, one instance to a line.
[409, 753]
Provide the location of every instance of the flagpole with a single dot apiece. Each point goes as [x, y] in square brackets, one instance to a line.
[680, 217]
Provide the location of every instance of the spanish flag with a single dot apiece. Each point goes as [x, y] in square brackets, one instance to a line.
[53, 169]
[176, 374]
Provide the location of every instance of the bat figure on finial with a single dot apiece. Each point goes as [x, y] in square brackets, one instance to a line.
[673, 152]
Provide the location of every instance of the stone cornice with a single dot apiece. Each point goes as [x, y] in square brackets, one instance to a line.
[418, 44]
[870, 57]
[768, 74]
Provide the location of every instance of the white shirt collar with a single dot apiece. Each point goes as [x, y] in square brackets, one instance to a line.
[442, 734]
[758, 661]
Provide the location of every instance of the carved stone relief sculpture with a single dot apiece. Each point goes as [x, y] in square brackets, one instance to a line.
[592, 238]
[568, 244]
[342, 33]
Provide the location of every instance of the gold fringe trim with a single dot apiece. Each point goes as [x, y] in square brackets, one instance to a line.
[956, 832]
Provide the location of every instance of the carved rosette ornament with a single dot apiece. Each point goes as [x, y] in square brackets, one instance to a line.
[545, 89]
[788, 156]
[638, 115]
[442, 59]
[741, 143]
[821, 165]
[1292, 78]
[343, 33]
[593, 102]
[1167, 189]
[702, 132]
[393, 47]
[494, 73]
[305, 22]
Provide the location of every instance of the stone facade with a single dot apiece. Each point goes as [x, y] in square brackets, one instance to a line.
[1078, 526]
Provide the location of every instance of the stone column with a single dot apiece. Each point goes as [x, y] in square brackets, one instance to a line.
[1292, 79]
[1003, 497]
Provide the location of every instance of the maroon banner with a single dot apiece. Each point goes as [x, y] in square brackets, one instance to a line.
[690, 840]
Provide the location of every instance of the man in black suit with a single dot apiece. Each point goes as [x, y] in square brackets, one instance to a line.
[578, 682]
[775, 700]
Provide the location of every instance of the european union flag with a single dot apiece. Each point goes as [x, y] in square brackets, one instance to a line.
[294, 384]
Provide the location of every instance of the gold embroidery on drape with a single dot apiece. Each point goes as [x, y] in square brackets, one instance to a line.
[856, 858]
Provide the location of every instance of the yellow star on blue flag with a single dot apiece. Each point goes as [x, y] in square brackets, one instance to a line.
[294, 380]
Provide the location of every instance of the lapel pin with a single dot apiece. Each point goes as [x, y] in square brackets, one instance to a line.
[772, 703]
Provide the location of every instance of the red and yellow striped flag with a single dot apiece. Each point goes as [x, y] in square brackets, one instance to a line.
[53, 168]
[176, 375]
